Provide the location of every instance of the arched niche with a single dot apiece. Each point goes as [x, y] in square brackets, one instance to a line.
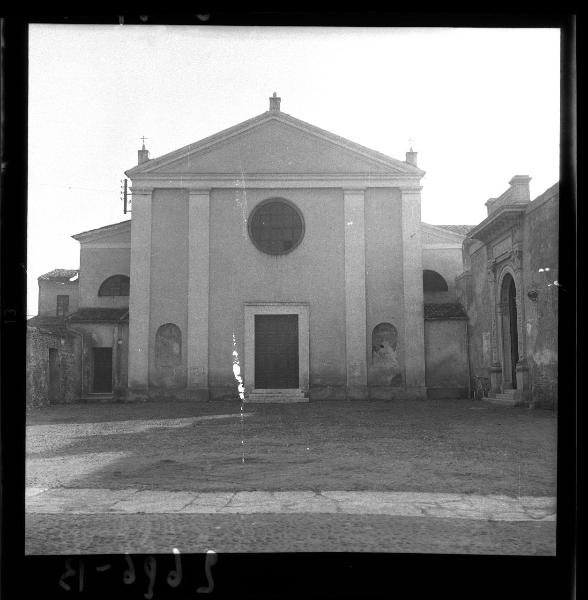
[384, 367]
[168, 356]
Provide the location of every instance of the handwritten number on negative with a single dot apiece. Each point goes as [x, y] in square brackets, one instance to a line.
[150, 570]
[210, 560]
[129, 574]
[69, 572]
[175, 577]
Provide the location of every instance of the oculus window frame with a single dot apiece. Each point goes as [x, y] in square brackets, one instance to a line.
[266, 238]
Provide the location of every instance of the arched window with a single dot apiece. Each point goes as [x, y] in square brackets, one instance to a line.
[117, 285]
[276, 226]
[433, 282]
[168, 346]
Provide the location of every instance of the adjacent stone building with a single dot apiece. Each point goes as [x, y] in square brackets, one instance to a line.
[277, 260]
[510, 291]
[54, 352]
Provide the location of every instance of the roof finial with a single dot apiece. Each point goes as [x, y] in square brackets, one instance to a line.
[275, 102]
[143, 153]
[411, 155]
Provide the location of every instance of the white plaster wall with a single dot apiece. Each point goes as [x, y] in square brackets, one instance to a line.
[96, 265]
[384, 275]
[448, 263]
[48, 292]
[313, 273]
[169, 269]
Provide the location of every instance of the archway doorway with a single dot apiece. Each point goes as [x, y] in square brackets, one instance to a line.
[510, 335]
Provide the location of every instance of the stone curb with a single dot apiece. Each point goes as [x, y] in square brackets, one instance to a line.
[402, 504]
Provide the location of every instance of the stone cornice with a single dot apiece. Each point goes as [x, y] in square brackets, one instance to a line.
[498, 222]
[119, 245]
[147, 182]
[440, 246]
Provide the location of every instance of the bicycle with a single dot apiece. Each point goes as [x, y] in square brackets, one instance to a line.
[481, 387]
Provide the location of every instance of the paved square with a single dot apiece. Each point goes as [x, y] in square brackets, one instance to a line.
[426, 462]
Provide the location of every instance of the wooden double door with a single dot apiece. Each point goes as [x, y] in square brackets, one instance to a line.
[276, 352]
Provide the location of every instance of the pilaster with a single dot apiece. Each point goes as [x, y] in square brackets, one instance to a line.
[414, 327]
[355, 296]
[496, 322]
[517, 264]
[198, 291]
[140, 291]
[522, 367]
[115, 359]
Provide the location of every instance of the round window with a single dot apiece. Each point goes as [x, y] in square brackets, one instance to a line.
[276, 226]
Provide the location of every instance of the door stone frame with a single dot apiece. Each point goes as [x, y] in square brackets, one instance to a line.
[513, 268]
[277, 308]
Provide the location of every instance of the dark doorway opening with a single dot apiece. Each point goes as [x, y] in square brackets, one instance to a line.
[102, 370]
[276, 351]
[510, 335]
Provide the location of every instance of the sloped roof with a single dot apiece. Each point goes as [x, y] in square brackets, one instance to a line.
[439, 234]
[497, 222]
[49, 324]
[106, 229]
[448, 310]
[549, 192]
[99, 315]
[273, 116]
[61, 275]
[461, 229]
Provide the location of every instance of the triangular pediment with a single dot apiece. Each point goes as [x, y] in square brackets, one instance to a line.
[274, 143]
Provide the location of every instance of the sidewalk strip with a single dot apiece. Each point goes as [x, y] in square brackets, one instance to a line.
[400, 504]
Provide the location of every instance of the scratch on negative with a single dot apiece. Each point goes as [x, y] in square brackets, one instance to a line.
[237, 370]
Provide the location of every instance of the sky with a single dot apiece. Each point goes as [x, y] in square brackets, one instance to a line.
[480, 105]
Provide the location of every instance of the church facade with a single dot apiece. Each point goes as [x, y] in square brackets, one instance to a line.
[276, 261]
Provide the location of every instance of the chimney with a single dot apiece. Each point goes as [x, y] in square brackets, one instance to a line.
[519, 189]
[490, 205]
[143, 153]
[275, 103]
[411, 157]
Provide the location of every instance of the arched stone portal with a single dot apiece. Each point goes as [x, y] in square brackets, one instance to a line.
[510, 338]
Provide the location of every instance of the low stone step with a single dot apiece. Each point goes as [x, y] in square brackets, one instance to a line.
[274, 398]
[503, 400]
[97, 397]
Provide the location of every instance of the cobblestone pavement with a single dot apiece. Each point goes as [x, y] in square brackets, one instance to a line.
[190, 533]
[70, 521]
